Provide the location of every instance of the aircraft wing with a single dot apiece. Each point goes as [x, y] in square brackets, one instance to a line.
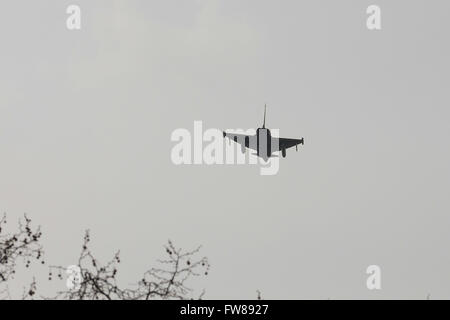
[242, 139]
[286, 143]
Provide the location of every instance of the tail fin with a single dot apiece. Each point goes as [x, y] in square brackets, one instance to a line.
[264, 123]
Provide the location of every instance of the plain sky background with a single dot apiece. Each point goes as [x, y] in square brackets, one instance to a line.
[86, 118]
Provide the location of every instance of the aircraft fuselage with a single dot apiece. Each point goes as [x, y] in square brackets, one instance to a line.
[264, 142]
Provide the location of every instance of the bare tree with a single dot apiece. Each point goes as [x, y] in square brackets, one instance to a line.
[21, 246]
[91, 280]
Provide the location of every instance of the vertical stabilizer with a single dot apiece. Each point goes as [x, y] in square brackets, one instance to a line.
[264, 123]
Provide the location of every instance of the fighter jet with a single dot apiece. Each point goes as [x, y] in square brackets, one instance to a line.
[263, 142]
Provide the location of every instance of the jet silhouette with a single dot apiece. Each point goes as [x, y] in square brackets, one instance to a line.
[263, 142]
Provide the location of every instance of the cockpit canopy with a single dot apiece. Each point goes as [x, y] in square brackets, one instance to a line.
[263, 131]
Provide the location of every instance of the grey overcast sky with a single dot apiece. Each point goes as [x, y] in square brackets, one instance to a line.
[86, 118]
